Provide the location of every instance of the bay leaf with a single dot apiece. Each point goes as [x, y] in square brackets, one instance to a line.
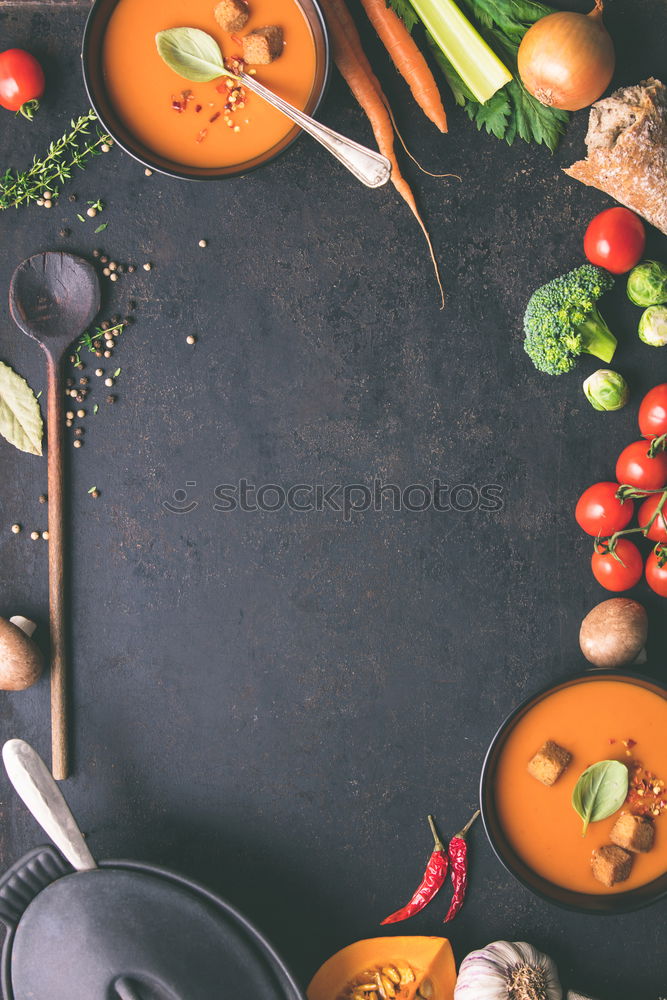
[191, 53]
[601, 789]
[20, 416]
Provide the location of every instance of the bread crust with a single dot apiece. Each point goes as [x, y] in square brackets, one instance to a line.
[627, 150]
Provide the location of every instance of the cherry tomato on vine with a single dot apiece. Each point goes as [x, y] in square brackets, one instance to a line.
[615, 240]
[656, 575]
[600, 512]
[614, 574]
[21, 82]
[653, 412]
[658, 530]
[636, 468]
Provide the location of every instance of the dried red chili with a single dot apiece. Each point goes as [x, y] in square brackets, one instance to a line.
[431, 883]
[458, 856]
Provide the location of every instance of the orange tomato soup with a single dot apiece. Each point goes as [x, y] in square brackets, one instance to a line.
[142, 87]
[591, 719]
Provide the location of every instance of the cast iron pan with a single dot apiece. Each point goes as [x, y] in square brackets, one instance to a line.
[621, 902]
[120, 931]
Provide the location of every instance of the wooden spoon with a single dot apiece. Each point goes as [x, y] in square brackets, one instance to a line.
[53, 298]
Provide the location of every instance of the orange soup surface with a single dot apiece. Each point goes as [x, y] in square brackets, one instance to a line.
[594, 720]
[143, 89]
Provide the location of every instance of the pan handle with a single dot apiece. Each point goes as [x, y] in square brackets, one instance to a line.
[33, 781]
[27, 878]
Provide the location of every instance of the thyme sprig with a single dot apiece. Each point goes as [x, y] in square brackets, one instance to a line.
[74, 149]
[87, 339]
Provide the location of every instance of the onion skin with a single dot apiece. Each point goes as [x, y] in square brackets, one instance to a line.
[567, 60]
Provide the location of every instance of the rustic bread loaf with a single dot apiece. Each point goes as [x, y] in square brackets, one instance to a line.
[627, 150]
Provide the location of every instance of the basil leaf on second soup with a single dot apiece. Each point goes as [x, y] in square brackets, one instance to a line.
[191, 53]
[601, 790]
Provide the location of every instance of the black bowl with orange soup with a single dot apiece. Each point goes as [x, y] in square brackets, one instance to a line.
[534, 829]
[186, 129]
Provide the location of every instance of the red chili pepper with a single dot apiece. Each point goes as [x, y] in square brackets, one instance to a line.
[431, 883]
[458, 856]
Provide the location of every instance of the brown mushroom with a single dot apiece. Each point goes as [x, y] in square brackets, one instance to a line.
[614, 632]
[20, 658]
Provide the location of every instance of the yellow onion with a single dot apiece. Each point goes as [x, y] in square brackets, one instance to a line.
[566, 60]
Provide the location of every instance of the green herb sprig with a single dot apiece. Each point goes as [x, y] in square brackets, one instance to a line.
[601, 789]
[74, 149]
[87, 339]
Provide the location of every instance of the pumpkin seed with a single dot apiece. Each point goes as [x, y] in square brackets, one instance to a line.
[406, 974]
[426, 989]
[387, 985]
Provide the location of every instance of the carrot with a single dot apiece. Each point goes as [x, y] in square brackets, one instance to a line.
[407, 59]
[357, 72]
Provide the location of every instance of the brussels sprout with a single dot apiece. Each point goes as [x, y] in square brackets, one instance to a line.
[653, 326]
[647, 284]
[606, 390]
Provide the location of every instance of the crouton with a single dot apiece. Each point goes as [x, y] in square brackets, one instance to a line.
[611, 864]
[232, 15]
[263, 45]
[634, 833]
[549, 763]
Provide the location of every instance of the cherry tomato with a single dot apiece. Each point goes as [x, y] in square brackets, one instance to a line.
[656, 575]
[615, 240]
[599, 512]
[653, 412]
[615, 575]
[658, 530]
[635, 468]
[21, 81]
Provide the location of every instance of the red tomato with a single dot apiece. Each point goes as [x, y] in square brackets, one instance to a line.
[21, 81]
[656, 575]
[658, 530]
[615, 575]
[615, 240]
[599, 512]
[635, 468]
[653, 412]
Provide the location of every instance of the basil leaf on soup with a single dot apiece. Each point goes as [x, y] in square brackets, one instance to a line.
[191, 53]
[601, 789]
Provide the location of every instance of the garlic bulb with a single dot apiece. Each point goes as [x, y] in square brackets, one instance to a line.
[508, 970]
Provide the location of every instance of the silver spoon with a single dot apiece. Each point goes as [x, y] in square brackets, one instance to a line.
[371, 168]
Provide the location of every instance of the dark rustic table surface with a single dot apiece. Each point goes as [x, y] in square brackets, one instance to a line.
[271, 701]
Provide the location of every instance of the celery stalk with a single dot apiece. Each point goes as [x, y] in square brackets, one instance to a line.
[477, 65]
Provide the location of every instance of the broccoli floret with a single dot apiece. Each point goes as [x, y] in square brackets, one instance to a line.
[562, 321]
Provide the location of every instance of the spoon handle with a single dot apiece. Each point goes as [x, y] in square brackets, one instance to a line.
[32, 780]
[369, 167]
[57, 549]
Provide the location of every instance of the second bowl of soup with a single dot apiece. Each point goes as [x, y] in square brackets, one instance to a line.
[529, 776]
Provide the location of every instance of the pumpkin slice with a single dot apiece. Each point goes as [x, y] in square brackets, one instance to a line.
[388, 968]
